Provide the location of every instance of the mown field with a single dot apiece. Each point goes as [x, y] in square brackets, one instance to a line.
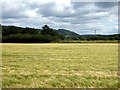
[60, 65]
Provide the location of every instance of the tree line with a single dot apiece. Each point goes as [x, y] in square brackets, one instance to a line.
[13, 34]
[97, 37]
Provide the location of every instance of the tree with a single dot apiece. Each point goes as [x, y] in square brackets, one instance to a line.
[49, 31]
[46, 30]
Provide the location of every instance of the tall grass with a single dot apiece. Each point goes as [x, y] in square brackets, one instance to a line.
[60, 65]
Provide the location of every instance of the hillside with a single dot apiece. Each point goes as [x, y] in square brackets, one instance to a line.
[31, 35]
[67, 33]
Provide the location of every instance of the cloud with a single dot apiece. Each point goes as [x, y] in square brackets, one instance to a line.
[56, 10]
[106, 4]
[13, 10]
[80, 17]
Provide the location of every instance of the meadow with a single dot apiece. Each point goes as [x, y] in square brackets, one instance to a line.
[55, 65]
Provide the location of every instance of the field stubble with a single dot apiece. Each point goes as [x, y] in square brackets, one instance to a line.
[60, 65]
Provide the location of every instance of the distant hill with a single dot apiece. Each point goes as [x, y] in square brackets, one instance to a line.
[88, 35]
[46, 34]
[67, 33]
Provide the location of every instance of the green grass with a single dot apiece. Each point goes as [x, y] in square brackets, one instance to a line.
[60, 65]
[91, 41]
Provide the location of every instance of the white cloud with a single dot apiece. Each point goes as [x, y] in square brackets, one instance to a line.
[78, 17]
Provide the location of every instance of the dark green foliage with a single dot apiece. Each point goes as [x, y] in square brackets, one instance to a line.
[8, 30]
[97, 37]
[30, 35]
[13, 34]
[29, 38]
[49, 31]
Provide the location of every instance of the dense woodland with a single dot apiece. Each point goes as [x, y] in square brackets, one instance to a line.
[13, 34]
[30, 35]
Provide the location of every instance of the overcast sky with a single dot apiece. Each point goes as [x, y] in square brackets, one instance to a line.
[80, 17]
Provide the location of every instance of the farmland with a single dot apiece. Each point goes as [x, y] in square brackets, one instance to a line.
[55, 65]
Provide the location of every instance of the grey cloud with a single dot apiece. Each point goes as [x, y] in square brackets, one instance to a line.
[77, 17]
[106, 4]
[14, 10]
[13, 14]
[80, 4]
[51, 9]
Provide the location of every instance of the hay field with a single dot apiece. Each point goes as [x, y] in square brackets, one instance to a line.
[56, 65]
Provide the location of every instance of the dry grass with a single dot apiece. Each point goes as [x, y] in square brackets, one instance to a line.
[60, 65]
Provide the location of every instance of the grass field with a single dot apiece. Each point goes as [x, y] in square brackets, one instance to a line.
[60, 65]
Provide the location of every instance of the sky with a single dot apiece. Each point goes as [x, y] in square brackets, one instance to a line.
[80, 17]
